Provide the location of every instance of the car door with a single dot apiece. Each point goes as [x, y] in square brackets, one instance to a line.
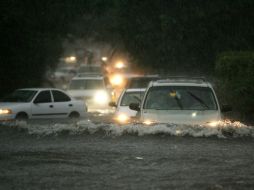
[62, 104]
[42, 106]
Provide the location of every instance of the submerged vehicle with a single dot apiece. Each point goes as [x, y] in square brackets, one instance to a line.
[92, 90]
[123, 114]
[180, 101]
[40, 103]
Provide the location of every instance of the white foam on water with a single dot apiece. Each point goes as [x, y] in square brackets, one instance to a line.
[222, 130]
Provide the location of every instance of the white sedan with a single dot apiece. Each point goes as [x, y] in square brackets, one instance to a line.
[40, 103]
[123, 113]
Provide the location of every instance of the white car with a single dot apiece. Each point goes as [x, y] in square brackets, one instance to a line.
[40, 103]
[180, 101]
[92, 90]
[123, 114]
[64, 74]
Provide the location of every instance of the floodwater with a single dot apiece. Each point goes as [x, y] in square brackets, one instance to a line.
[89, 155]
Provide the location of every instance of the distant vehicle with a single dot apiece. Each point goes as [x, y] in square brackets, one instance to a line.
[90, 69]
[180, 101]
[64, 74]
[92, 90]
[123, 114]
[40, 103]
[141, 81]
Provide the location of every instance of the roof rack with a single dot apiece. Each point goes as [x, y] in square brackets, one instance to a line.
[181, 79]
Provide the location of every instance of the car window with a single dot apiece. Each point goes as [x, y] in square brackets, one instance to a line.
[86, 84]
[180, 98]
[43, 97]
[94, 84]
[77, 85]
[131, 97]
[60, 96]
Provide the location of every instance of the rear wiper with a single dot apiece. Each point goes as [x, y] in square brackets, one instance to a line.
[198, 99]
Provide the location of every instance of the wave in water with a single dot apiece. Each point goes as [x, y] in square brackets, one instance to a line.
[222, 130]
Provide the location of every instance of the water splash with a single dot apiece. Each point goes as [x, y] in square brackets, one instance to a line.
[224, 129]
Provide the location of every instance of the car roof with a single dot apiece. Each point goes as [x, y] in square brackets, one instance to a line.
[146, 76]
[181, 81]
[135, 90]
[91, 65]
[88, 74]
[39, 89]
[88, 77]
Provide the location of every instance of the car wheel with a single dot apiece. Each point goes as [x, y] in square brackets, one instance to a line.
[74, 116]
[21, 118]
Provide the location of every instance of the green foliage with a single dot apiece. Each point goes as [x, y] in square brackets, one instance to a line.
[236, 73]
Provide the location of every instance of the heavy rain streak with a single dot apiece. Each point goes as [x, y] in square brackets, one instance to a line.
[127, 95]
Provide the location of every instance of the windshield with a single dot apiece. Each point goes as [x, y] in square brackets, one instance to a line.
[131, 97]
[180, 98]
[20, 96]
[88, 84]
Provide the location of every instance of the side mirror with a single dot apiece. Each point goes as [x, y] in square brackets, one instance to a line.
[134, 106]
[226, 108]
[112, 104]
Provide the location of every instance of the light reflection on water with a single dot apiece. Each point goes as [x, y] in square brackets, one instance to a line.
[222, 130]
[88, 155]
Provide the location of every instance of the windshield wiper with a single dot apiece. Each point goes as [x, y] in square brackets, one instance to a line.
[198, 99]
[179, 103]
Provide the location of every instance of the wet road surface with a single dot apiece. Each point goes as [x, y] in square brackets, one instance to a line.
[103, 156]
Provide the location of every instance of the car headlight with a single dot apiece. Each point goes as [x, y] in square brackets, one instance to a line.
[117, 80]
[101, 97]
[213, 123]
[5, 111]
[122, 118]
[149, 122]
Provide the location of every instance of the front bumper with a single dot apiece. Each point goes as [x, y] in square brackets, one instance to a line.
[7, 117]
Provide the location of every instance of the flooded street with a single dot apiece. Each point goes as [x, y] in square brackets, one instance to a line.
[106, 156]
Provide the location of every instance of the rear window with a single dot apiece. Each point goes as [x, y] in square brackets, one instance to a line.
[60, 96]
[88, 84]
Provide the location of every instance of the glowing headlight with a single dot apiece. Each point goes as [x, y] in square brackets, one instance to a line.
[101, 97]
[119, 65]
[122, 118]
[148, 122]
[117, 80]
[213, 123]
[5, 111]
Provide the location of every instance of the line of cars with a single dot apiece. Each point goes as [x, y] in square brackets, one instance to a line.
[148, 99]
[176, 100]
[85, 92]
[92, 89]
